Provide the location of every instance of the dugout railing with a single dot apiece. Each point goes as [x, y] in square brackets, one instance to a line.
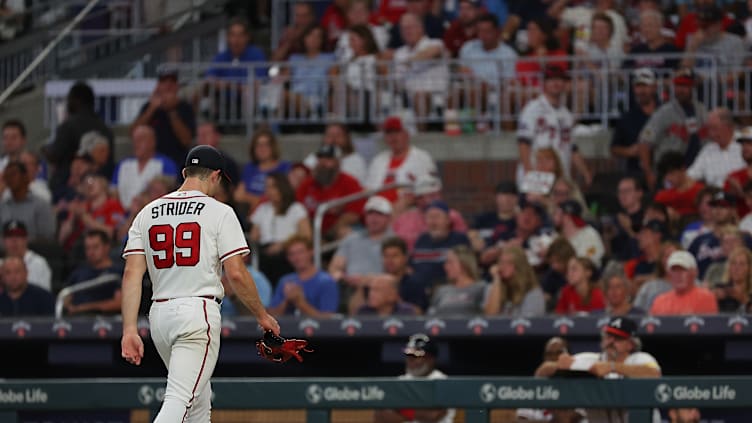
[475, 396]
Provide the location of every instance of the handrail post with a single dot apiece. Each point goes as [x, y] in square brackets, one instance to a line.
[91, 283]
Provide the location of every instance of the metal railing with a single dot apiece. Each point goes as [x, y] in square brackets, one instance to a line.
[82, 286]
[92, 44]
[323, 208]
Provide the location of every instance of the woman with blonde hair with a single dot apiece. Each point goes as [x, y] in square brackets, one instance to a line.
[514, 290]
[463, 295]
[580, 295]
[734, 294]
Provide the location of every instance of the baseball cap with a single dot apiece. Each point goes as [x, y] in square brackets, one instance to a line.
[208, 157]
[685, 77]
[710, 13]
[393, 124]
[330, 151]
[656, 226]
[426, 184]
[90, 140]
[419, 345]
[167, 72]
[723, 199]
[555, 71]
[438, 204]
[621, 327]
[378, 204]
[682, 259]
[538, 208]
[507, 187]
[643, 76]
[14, 228]
[744, 135]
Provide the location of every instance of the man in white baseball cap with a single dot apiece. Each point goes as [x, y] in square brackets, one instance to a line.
[686, 297]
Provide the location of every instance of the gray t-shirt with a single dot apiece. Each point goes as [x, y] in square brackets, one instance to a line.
[669, 128]
[450, 300]
[725, 51]
[34, 212]
[532, 305]
[363, 254]
[648, 291]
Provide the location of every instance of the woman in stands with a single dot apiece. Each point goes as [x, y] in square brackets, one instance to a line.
[580, 295]
[359, 72]
[514, 290]
[734, 294]
[618, 296]
[265, 159]
[541, 44]
[274, 221]
[463, 296]
[308, 74]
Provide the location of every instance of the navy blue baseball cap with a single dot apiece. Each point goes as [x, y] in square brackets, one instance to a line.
[420, 345]
[208, 157]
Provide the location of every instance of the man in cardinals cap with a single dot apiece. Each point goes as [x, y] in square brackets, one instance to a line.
[583, 237]
[678, 125]
[402, 163]
[620, 357]
[420, 363]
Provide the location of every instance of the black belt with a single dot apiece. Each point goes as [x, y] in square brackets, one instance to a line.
[208, 297]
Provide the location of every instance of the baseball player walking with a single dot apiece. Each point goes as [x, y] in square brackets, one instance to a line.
[183, 239]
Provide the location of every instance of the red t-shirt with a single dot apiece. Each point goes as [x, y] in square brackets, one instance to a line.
[389, 11]
[742, 177]
[311, 195]
[333, 22]
[528, 69]
[681, 201]
[570, 302]
[455, 36]
[110, 213]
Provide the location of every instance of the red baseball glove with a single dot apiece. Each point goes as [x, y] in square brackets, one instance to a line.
[277, 349]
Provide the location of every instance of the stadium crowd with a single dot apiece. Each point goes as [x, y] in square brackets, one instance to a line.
[678, 244]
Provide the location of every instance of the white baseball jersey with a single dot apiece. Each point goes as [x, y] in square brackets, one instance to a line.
[546, 126]
[185, 236]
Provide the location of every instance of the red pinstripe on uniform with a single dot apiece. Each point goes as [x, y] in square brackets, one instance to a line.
[203, 362]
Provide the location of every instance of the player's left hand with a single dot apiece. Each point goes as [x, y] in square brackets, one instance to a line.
[132, 348]
[601, 368]
[269, 323]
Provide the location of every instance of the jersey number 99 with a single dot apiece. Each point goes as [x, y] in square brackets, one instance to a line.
[165, 238]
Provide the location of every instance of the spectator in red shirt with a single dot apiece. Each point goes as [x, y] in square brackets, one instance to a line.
[686, 297]
[580, 295]
[736, 180]
[390, 11]
[97, 210]
[682, 191]
[326, 183]
[334, 20]
[463, 28]
[541, 42]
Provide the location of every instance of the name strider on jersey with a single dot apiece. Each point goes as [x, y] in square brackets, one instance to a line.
[185, 236]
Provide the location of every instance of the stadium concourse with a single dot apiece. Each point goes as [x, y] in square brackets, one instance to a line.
[541, 187]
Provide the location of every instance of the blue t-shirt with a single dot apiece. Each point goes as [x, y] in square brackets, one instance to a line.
[321, 291]
[35, 301]
[100, 293]
[254, 178]
[250, 54]
[309, 76]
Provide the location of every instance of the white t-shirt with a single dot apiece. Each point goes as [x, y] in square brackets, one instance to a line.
[185, 236]
[421, 76]
[418, 162]
[274, 227]
[435, 374]
[39, 271]
[130, 181]
[546, 126]
[713, 164]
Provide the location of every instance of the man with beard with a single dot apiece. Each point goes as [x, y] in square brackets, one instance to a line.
[326, 183]
[420, 363]
[620, 357]
[624, 143]
[736, 181]
[677, 125]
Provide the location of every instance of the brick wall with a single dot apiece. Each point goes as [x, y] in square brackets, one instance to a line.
[469, 185]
